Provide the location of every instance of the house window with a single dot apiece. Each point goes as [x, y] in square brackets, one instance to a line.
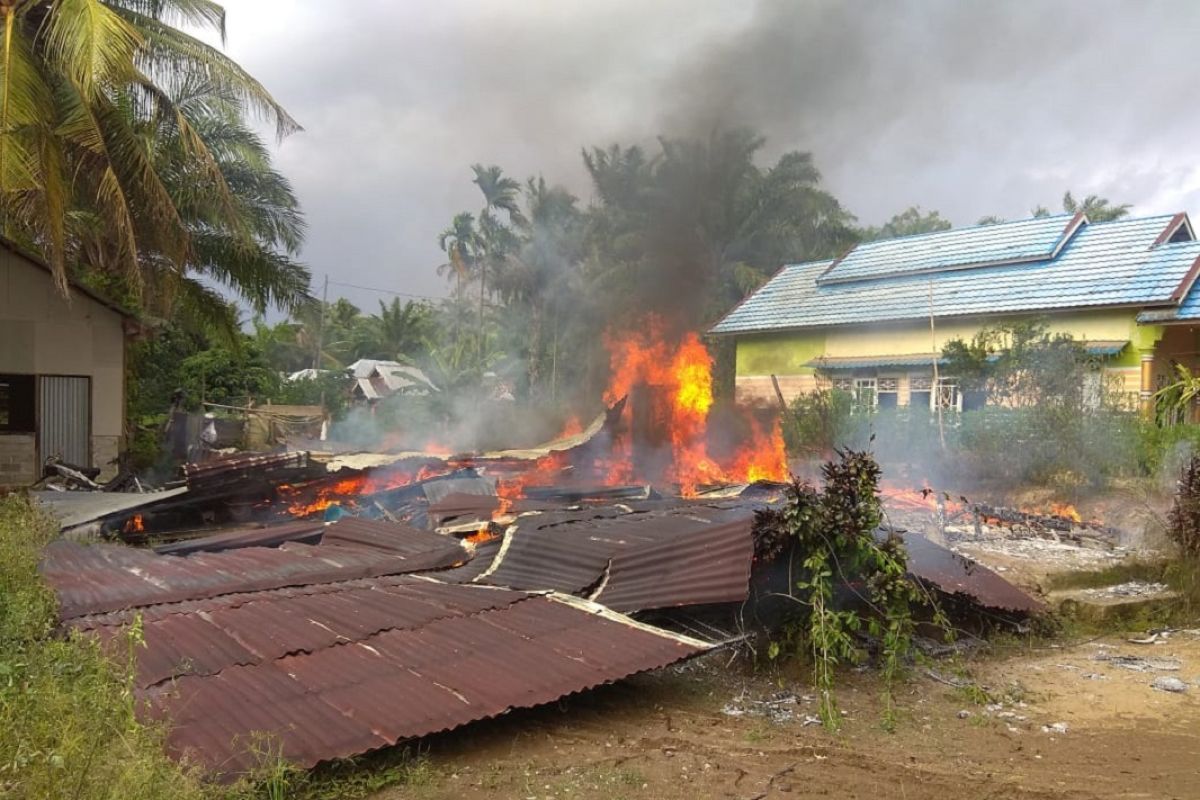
[888, 394]
[862, 391]
[17, 404]
[920, 390]
[865, 392]
[948, 395]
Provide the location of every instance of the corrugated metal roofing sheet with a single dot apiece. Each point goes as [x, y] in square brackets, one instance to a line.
[956, 574]
[341, 672]
[307, 531]
[1019, 241]
[96, 578]
[693, 554]
[1104, 264]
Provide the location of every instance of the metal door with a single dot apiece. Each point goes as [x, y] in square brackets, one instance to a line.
[64, 418]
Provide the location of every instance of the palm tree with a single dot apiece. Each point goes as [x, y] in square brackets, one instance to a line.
[500, 194]
[461, 243]
[123, 149]
[403, 330]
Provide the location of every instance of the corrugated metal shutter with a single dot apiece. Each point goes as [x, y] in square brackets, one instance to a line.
[64, 418]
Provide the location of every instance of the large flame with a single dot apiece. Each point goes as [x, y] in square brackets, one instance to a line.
[678, 370]
[682, 369]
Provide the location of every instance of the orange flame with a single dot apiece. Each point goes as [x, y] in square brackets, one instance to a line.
[683, 371]
[345, 491]
[135, 524]
[1066, 511]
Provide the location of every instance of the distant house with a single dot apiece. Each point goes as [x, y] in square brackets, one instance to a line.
[62, 371]
[374, 380]
[862, 322]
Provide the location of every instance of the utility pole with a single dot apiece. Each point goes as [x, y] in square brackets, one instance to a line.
[936, 394]
[321, 325]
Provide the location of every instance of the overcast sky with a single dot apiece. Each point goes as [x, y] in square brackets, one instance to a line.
[968, 107]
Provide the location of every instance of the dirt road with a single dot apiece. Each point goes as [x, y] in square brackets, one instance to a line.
[670, 736]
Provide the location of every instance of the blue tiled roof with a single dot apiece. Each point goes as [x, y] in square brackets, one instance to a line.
[1009, 242]
[1103, 264]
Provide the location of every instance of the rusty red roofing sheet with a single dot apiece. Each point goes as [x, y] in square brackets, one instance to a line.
[242, 461]
[956, 574]
[91, 579]
[308, 531]
[696, 566]
[462, 504]
[392, 537]
[348, 669]
[684, 555]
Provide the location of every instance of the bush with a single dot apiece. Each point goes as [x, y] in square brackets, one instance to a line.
[1183, 523]
[817, 423]
[66, 711]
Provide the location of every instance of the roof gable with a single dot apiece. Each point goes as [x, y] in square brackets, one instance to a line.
[1023, 241]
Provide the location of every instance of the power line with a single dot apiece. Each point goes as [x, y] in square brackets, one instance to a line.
[385, 291]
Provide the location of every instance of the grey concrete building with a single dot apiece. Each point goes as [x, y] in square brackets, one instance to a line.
[62, 371]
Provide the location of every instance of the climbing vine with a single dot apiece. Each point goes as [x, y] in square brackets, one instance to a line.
[855, 582]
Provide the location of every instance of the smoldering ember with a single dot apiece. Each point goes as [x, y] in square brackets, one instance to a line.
[697, 462]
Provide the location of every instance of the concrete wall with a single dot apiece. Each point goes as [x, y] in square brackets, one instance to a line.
[784, 354]
[18, 459]
[43, 333]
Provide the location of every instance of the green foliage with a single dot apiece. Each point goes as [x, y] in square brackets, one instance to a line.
[909, 222]
[1022, 364]
[834, 530]
[817, 422]
[67, 711]
[1174, 402]
[1097, 209]
[1183, 522]
[221, 374]
[125, 155]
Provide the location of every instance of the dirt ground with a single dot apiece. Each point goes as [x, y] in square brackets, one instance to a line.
[1077, 721]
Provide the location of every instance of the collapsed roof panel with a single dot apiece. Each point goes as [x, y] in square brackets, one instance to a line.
[99, 578]
[686, 555]
[958, 575]
[361, 666]
[307, 531]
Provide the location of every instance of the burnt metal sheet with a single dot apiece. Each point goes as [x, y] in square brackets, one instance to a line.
[956, 574]
[98, 578]
[309, 532]
[204, 470]
[426, 658]
[460, 504]
[695, 567]
[485, 553]
[80, 508]
[683, 555]
[392, 537]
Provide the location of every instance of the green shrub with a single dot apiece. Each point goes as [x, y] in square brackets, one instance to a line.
[66, 711]
[818, 422]
[1183, 522]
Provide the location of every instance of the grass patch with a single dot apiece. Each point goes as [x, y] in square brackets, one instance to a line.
[1144, 571]
[66, 711]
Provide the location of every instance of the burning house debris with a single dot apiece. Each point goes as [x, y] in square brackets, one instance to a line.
[357, 602]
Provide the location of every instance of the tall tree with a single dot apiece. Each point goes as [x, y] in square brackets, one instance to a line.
[122, 149]
[501, 196]
[401, 330]
[908, 222]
